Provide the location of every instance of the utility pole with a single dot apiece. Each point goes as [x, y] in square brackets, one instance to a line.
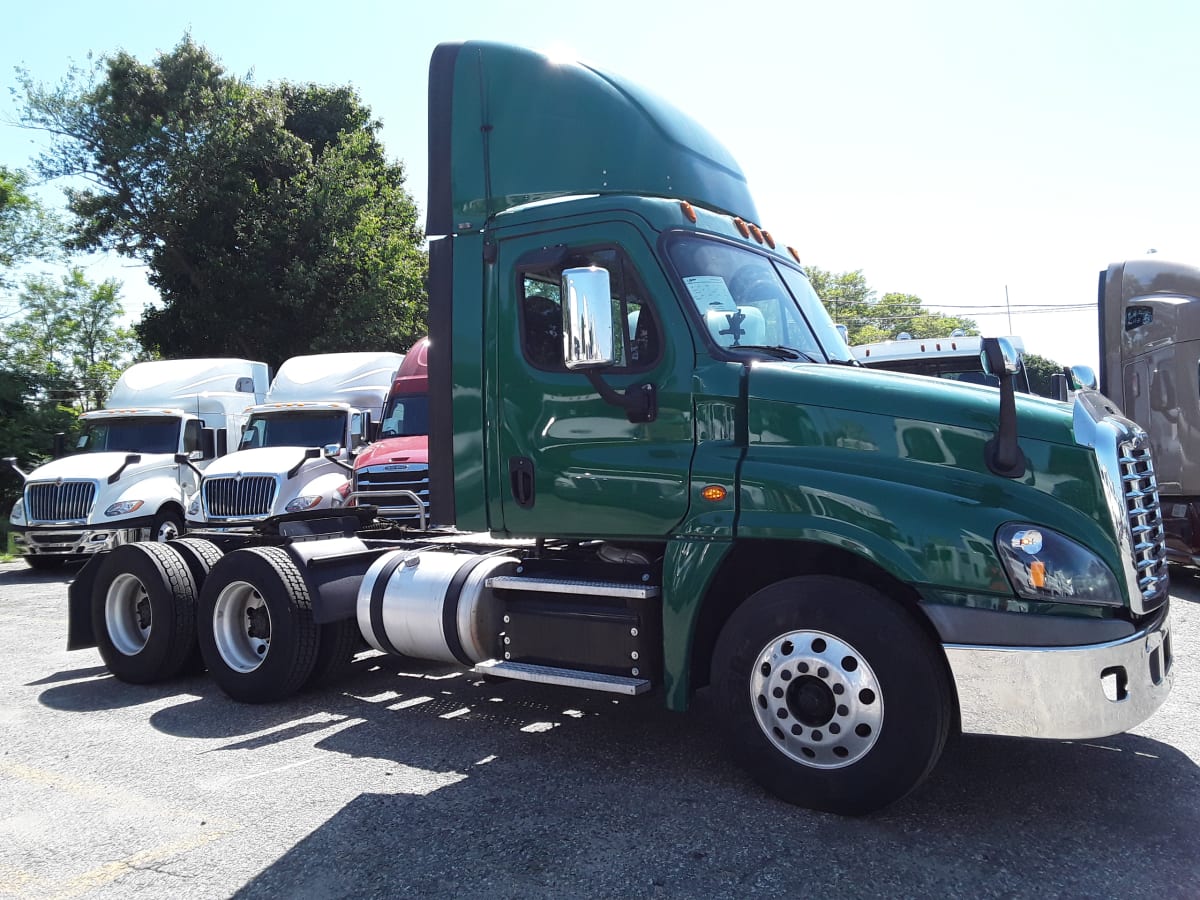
[1009, 308]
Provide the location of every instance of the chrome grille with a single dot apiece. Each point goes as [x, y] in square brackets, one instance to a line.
[239, 498]
[65, 501]
[1145, 520]
[385, 481]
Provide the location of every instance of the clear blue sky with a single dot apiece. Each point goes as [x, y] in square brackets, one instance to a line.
[947, 149]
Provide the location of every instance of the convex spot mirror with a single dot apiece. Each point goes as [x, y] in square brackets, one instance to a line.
[587, 318]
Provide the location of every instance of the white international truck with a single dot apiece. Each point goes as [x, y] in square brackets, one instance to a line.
[297, 448]
[955, 358]
[124, 482]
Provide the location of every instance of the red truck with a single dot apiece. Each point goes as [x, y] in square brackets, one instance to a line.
[393, 473]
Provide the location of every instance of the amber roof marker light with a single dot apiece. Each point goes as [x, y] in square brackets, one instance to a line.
[688, 210]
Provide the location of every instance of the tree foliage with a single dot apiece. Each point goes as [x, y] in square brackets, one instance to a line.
[269, 218]
[28, 230]
[67, 343]
[1039, 369]
[869, 318]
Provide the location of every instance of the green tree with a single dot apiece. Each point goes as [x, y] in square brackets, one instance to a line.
[67, 343]
[28, 231]
[870, 318]
[1039, 369]
[269, 218]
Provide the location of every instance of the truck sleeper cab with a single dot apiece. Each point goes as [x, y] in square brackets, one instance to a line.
[393, 473]
[123, 483]
[297, 449]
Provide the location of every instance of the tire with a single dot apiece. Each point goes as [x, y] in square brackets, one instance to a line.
[144, 612]
[257, 634]
[831, 695]
[199, 556]
[338, 643]
[45, 563]
[167, 526]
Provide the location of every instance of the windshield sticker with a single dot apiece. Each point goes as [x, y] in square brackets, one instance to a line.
[710, 293]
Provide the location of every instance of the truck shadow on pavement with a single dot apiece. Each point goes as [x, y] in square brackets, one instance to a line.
[560, 792]
[19, 573]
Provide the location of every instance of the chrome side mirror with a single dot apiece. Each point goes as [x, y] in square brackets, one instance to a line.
[587, 318]
[999, 357]
[1084, 378]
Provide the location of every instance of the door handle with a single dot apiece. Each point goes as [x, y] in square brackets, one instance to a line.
[520, 475]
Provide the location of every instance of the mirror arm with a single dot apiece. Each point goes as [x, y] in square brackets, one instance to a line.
[185, 459]
[310, 453]
[11, 461]
[640, 401]
[1003, 452]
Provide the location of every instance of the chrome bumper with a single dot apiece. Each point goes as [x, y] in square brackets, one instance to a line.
[1068, 693]
[78, 541]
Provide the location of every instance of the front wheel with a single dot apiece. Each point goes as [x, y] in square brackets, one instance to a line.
[167, 526]
[831, 695]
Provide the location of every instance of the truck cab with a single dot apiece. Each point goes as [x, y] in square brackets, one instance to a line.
[122, 483]
[393, 472]
[956, 358]
[297, 449]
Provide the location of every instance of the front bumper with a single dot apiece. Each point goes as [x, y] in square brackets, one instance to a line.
[1069, 693]
[78, 540]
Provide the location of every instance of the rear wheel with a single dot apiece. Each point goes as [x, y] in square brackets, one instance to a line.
[831, 695]
[257, 634]
[335, 652]
[144, 612]
[200, 556]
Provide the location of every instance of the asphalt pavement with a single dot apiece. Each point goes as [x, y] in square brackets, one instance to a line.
[425, 781]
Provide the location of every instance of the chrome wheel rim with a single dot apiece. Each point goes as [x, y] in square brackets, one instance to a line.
[167, 531]
[817, 699]
[127, 614]
[242, 627]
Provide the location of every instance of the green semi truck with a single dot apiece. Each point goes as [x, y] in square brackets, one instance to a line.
[666, 471]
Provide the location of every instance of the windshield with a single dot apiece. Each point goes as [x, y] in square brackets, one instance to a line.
[406, 415]
[294, 428]
[134, 434]
[750, 300]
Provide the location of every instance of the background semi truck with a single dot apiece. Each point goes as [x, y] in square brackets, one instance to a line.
[296, 450]
[666, 472]
[955, 358]
[123, 483]
[393, 472]
[1150, 365]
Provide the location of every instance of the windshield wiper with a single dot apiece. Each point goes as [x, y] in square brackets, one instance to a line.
[779, 352]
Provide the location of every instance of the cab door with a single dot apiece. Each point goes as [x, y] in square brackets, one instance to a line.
[567, 463]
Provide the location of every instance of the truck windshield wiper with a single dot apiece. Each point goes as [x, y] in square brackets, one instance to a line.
[777, 351]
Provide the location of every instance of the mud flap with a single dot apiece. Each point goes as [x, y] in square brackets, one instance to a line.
[79, 606]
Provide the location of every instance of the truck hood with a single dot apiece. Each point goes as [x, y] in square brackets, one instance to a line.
[412, 449]
[900, 396]
[98, 466]
[260, 460]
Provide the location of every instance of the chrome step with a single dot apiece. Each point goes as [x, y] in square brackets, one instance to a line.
[612, 684]
[570, 586]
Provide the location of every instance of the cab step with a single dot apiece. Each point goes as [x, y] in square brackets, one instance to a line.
[580, 587]
[595, 681]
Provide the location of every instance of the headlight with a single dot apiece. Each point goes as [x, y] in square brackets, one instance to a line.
[299, 504]
[17, 516]
[194, 507]
[124, 508]
[1044, 565]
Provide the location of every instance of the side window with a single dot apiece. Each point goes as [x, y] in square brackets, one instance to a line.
[637, 344]
[191, 435]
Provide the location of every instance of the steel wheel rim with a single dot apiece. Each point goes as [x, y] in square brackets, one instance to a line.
[238, 619]
[817, 699]
[127, 614]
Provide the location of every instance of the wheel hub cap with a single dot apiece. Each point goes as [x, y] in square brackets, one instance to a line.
[817, 699]
[127, 614]
[242, 627]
